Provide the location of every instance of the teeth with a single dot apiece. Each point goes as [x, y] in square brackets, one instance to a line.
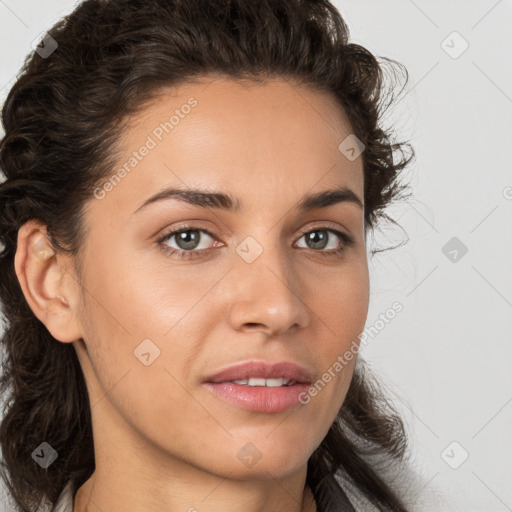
[274, 383]
[271, 383]
[257, 382]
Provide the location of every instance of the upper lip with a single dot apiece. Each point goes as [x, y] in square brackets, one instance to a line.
[263, 369]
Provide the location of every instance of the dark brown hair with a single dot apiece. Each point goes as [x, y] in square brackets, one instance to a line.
[62, 120]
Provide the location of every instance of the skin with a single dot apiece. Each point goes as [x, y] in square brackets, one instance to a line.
[162, 441]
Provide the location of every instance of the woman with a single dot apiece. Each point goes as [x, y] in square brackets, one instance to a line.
[189, 188]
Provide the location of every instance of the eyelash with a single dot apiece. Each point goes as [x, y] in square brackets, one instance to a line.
[348, 241]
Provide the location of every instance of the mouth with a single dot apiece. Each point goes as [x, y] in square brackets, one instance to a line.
[270, 383]
[262, 373]
[260, 386]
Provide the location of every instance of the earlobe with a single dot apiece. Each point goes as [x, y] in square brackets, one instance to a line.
[48, 287]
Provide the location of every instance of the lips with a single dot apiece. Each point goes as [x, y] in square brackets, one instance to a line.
[261, 393]
[263, 370]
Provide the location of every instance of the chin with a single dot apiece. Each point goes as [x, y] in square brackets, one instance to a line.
[265, 470]
[265, 461]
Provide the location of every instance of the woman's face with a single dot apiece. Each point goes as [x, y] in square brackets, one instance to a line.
[267, 281]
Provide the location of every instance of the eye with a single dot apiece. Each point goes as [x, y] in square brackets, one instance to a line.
[188, 241]
[319, 239]
[193, 241]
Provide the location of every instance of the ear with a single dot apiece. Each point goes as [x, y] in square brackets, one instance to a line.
[48, 281]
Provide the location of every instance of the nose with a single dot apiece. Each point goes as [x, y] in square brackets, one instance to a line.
[268, 295]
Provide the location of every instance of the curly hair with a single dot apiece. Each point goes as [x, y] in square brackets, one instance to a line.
[62, 120]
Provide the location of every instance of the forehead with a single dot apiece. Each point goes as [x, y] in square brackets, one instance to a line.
[246, 137]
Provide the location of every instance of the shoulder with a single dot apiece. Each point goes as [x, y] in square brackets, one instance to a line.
[65, 501]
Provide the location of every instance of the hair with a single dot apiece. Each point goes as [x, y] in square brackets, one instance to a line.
[63, 119]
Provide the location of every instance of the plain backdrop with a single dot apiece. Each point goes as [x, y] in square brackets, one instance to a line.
[447, 356]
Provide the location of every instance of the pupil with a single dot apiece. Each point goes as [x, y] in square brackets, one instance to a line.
[187, 239]
[319, 242]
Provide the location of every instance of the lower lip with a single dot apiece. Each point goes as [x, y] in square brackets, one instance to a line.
[259, 398]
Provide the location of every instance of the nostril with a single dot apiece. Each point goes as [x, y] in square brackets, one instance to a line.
[252, 324]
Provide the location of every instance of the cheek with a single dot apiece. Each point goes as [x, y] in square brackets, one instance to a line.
[145, 312]
[144, 296]
[163, 293]
[341, 309]
[341, 302]
[145, 319]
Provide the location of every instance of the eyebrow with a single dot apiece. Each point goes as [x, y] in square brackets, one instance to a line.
[227, 202]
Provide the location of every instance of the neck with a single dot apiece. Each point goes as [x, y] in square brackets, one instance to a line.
[99, 493]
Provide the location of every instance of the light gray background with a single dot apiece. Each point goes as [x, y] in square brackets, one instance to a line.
[448, 354]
